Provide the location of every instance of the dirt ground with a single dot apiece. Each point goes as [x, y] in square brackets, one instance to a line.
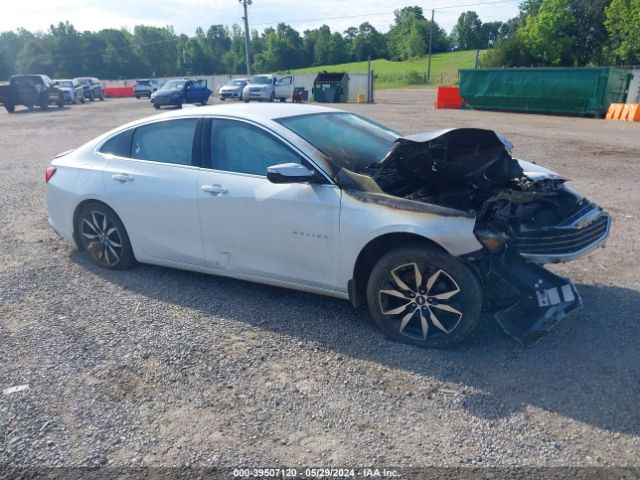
[159, 367]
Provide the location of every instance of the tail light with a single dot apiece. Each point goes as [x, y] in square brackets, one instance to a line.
[50, 172]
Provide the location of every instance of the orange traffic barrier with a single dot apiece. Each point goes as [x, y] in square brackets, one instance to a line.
[625, 112]
[617, 111]
[612, 109]
[634, 113]
[118, 91]
[448, 97]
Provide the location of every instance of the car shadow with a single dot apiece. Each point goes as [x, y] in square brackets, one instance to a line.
[587, 368]
[54, 108]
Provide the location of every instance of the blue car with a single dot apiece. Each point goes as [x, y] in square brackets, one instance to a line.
[178, 92]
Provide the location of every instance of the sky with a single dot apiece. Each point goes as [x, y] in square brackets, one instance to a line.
[187, 15]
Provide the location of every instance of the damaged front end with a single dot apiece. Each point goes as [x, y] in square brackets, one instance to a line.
[525, 217]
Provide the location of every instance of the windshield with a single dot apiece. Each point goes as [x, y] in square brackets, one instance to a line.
[348, 140]
[63, 83]
[174, 85]
[260, 80]
[142, 82]
[234, 83]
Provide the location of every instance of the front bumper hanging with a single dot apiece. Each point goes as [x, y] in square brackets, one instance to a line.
[544, 299]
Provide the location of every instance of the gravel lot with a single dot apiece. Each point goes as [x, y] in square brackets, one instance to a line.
[155, 366]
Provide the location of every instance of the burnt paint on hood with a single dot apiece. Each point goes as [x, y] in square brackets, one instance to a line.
[365, 189]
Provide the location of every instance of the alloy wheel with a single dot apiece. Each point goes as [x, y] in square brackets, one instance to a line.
[421, 302]
[103, 239]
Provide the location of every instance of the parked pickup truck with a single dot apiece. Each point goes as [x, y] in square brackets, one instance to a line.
[30, 91]
[268, 88]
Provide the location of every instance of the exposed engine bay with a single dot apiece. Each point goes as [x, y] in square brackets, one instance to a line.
[525, 217]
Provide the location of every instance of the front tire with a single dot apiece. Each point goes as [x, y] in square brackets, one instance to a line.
[424, 297]
[9, 107]
[103, 236]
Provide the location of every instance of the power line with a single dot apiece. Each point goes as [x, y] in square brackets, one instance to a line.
[341, 17]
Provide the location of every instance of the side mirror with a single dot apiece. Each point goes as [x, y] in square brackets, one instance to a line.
[291, 173]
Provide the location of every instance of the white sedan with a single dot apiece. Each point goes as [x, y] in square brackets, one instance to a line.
[427, 230]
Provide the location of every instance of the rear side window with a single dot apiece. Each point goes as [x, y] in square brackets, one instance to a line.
[168, 142]
[120, 145]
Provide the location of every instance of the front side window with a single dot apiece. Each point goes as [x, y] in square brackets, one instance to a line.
[243, 148]
[174, 85]
[169, 142]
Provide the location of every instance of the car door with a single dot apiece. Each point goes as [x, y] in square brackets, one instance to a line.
[193, 92]
[284, 87]
[252, 227]
[154, 188]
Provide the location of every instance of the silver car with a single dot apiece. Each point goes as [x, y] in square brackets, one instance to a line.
[232, 90]
[144, 87]
[427, 230]
[72, 91]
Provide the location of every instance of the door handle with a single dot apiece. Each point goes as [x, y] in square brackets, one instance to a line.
[122, 177]
[215, 189]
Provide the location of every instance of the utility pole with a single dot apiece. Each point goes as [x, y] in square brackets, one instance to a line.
[430, 44]
[247, 39]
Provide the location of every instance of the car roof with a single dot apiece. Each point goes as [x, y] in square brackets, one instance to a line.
[253, 111]
[258, 112]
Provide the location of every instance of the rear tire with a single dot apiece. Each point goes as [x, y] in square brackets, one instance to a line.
[10, 108]
[103, 236]
[424, 297]
[102, 96]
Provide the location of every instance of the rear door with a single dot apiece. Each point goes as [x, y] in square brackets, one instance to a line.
[154, 188]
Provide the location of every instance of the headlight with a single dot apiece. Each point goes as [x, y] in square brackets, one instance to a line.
[490, 239]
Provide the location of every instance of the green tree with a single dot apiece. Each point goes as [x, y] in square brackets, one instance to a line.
[10, 45]
[623, 24]
[549, 36]
[119, 58]
[234, 58]
[156, 47]
[368, 43]
[67, 50]
[282, 50]
[35, 56]
[467, 32]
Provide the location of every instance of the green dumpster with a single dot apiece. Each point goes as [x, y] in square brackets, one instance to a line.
[331, 87]
[573, 91]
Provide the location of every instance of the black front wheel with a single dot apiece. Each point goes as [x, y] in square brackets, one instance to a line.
[9, 107]
[103, 236]
[424, 297]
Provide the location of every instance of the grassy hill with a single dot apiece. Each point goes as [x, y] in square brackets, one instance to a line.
[444, 69]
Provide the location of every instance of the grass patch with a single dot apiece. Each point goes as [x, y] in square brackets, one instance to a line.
[389, 74]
